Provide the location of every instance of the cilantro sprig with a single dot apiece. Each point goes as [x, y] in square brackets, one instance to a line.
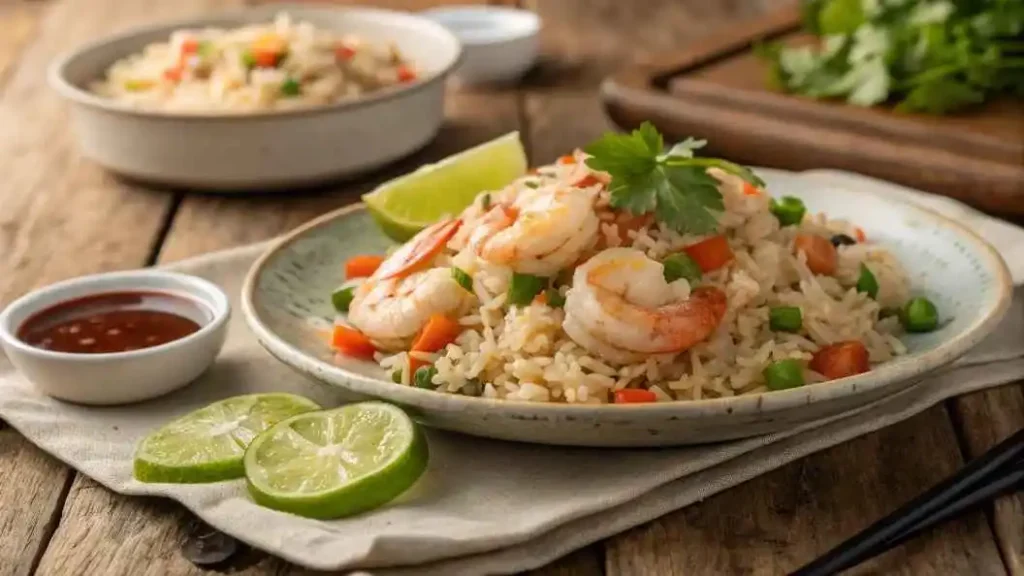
[933, 56]
[674, 185]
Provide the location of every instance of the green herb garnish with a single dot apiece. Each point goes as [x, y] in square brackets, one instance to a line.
[462, 278]
[674, 185]
[932, 56]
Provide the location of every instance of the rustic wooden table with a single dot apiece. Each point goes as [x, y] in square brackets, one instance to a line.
[61, 216]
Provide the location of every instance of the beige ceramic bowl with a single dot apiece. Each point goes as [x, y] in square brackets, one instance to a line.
[267, 150]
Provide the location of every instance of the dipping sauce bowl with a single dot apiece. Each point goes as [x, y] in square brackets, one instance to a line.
[116, 338]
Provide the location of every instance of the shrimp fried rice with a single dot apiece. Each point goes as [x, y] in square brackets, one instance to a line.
[545, 291]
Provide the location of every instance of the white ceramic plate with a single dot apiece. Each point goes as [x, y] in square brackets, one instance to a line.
[287, 295]
[266, 150]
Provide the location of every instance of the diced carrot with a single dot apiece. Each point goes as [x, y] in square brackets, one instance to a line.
[541, 297]
[710, 254]
[265, 58]
[406, 74]
[821, 254]
[189, 46]
[841, 360]
[344, 52]
[173, 74]
[419, 251]
[634, 396]
[859, 233]
[751, 190]
[362, 266]
[352, 342]
[438, 332]
[588, 180]
[567, 159]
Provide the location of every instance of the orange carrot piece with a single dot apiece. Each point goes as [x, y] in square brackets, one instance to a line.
[821, 254]
[418, 252]
[343, 52]
[859, 233]
[189, 46]
[406, 74]
[173, 74]
[567, 159]
[840, 360]
[352, 342]
[438, 332]
[710, 254]
[362, 266]
[588, 180]
[751, 190]
[634, 396]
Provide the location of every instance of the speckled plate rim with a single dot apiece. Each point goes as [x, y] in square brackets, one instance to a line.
[901, 370]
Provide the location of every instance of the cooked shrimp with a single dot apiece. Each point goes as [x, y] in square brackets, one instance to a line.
[542, 232]
[621, 308]
[393, 304]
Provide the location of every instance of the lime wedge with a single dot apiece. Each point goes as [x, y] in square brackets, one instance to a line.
[207, 445]
[337, 462]
[404, 206]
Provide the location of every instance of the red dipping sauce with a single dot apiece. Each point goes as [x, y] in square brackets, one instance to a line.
[114, 322]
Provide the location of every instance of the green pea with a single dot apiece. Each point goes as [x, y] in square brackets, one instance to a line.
[554, 298]
[396, 376]
[342, 298]
[785, 319]
[423, 378]
[788, 210]
[919, 315]
[867, 283]
[680, 265]
[784, 374]
[290, 87]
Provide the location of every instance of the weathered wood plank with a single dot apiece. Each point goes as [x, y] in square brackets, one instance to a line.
[783, 519]
[777, 522]
[61, 217]
[20, 19]
[984, 419]
[91, 539]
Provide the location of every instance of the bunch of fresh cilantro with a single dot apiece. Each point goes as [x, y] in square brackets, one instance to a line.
[674, 185]
[931, 56]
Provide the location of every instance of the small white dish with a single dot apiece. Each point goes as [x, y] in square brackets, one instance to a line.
[119, 377]
[271, 150]
[499, 44]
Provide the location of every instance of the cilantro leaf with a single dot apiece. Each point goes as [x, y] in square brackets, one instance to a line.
[675, 185]
[631, 155]
[934, 56]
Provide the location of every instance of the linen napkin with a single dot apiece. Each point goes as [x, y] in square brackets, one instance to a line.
[483, 506]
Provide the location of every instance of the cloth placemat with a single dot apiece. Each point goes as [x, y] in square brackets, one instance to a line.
[483, 506]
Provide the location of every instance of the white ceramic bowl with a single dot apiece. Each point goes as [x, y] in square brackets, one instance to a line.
[121, 377]
[499, 44]
[288, 292]
[266, 150]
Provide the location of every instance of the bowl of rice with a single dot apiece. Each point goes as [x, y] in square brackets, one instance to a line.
[262, 98]
[548, 312]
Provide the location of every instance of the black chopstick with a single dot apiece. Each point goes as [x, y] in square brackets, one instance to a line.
[993, 473]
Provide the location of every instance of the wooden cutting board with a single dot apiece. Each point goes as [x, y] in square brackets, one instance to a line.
[717, 90]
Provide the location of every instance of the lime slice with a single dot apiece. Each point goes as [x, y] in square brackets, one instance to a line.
[404, 206]
[207, 445]
[337, 462]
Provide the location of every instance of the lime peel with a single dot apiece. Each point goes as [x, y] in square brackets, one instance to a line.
[407, 204]
[207, 445]
[337, 462]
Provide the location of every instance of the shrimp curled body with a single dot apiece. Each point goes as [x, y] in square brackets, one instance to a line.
[542, 232]
[621, 308]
